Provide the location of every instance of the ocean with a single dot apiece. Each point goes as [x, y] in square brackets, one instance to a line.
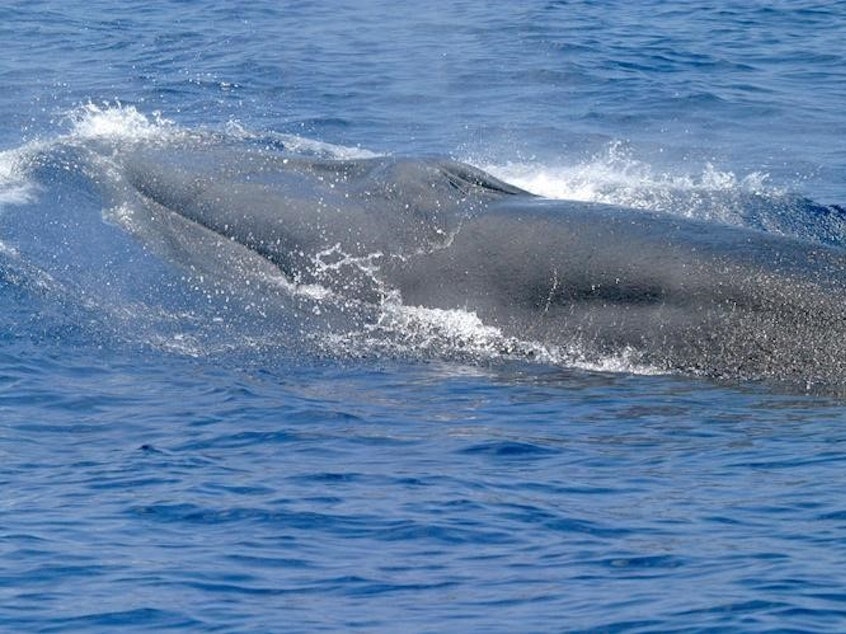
[214, 450]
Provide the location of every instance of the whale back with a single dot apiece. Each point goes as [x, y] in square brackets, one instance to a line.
[674, 293]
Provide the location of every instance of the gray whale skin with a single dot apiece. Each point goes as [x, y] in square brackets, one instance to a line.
[680, 295]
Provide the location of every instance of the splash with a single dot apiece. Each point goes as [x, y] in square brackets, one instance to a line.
[119, 122]
[15, 186]
[615, 176]
[460, 335]
[116, 124]
[394, 329]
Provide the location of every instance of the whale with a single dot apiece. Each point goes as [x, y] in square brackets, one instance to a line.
[677, 294]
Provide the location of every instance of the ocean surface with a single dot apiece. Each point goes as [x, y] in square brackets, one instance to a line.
[176, 456]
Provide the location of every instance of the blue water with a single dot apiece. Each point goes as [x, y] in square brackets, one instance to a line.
[176, 456]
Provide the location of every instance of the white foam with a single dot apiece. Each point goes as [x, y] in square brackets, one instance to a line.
[8, 250]
[15, 187]
[118, 122]
[616, 176]
[111, 123]
[435, 327]
[422, 332]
